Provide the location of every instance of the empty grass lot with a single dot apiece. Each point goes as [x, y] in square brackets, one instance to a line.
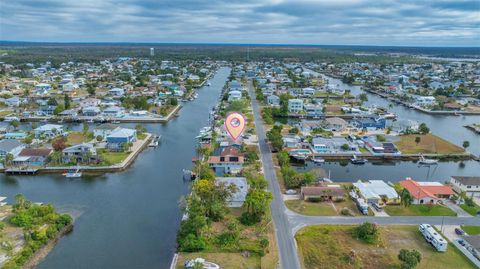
[332, 246]
[429, 144]
[471, 230]
[109, 158]
[419, 210]
[322, 208]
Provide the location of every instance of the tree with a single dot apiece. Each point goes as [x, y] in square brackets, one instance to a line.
[423, 128]
[15, 124]
[367, 232]
[66, 101]
[363, 97]
[58, 144]
[91, 89]
[52, 101]
[28, 140]
[345, 147]
[409, 258]
[173, 101]
[283, 158]
[418, 139]
[257, 202]
[213, 197]
[466, 144]
[294, 130]
[99, 138]
[406, 198]
[85, 129]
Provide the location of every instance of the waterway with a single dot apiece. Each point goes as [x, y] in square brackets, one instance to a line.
[127, 219]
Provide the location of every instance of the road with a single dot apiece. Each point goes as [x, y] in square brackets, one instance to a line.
[283, 230]
[287, 222]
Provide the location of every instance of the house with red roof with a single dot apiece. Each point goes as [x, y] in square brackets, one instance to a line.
[427, 192]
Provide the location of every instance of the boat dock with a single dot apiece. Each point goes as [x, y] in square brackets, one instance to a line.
[21, 171]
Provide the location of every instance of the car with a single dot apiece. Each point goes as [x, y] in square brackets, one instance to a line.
[291, 191]
[377, 207]
[461, 242]
[459, 231]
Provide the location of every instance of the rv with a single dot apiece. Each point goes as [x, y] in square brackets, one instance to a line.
[433, 237]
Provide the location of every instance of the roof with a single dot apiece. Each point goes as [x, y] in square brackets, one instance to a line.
[76, 147]
[241, 185]
[36, 152]
[375, 189]
[216, 159]
[465, 180]
[322, 190]
[122, 132]
[336, 121]
[9, 144]
[425, 189]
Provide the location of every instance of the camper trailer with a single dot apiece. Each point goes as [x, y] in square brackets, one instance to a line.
[433, 237]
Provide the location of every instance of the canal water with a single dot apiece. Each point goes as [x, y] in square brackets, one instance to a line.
[448, 127]
[127, 219]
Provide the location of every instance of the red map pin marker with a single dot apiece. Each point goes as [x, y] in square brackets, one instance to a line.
[235, 124]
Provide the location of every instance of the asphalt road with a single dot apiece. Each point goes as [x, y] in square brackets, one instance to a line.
[287, 222]
[283, 230]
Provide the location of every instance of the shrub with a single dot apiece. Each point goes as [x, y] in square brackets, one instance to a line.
[410, 258]
[367, 232]
[346, 212]
[314, 199]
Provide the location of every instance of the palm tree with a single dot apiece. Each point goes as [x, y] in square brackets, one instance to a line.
[406, 198]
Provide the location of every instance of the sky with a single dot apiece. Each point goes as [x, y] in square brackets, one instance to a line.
[315, 22]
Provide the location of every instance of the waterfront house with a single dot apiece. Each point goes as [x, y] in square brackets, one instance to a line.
[80, 153]
[13, 101]
[308, 91]
[427, 192]
[114, 112]
[313, 110]
[323, 193]
[295, 105]
[273, 100]
[42, 88]
[291, 141]
[48, 131]
[228, 161]
[118, 137]
[425, 100]
[104, 129]
[32, 157]
[239, 184]
[371, 123]
[333, 145]
[91, 111]
[118, 92]
[68, 113]
[335, 124]
[404, 126]
[468, 184]
[10, 146]
[88, 102]
[377, 191]
[234, 95]
[46, 110]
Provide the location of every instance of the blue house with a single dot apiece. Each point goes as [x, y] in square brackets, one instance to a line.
[120, 136]
[371, 123]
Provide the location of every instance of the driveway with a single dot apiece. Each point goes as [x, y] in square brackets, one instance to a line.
[460, 212]
[378, 213]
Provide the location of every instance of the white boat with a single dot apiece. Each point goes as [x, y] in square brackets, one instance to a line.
[200, 262]
[423, 160]
[9, 119]
[356, 160]
[73, 173]
[390, 116]
[208, 84]
[318, 160]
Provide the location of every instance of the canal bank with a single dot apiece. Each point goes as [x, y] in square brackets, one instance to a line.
[128, 219]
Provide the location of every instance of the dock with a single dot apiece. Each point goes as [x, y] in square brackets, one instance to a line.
[21, 171]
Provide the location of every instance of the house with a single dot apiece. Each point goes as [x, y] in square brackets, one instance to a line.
[335, 124]
[104, 129]
[80, 153]
[313, 110]
[295, 105]
[117, 92]
[118, 137]
[13, 101]
[323, 193]
[90, 102]
[323, 145]
[468, 184]
[10, 146]
[308, 91]
[425, 100]
[114, 112]
[91, 111]
[273, 100]
[371, 123]
[32, 157]
[377, 191]
[427, 192]
[404, 126]
[234, 95]
[68, 113]
[42, 88]
[241, 189]
[291, 141]
[48, 131]
[46, 110]
[227, 163]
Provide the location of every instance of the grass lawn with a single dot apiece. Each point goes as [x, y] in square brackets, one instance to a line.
[471, 230]
[419, 210]
[322, 208]
[74, 138]
[109, 158]
[332, 246]
[429, 144]
[472, 210]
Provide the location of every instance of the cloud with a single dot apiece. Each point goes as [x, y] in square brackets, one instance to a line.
[383, 22]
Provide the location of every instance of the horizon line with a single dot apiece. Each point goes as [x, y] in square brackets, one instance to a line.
[227, 44]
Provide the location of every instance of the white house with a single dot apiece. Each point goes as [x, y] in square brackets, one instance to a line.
[308, 91]
[114, 112]
[425, 100]
[234, 95]
[377, 191]
[273, 100]
[241, 189]
[468, 184]
[295, 105]
[117, 92]
[48, 130]
[42, 88]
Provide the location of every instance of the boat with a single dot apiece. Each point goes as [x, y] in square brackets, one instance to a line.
[196, 263]
[425, 161]
[318, 160]
[115, 122]
[10, 119]
[154, 142]
[73, 173]
[90, 121]
[390, 116]
[356, 160]
[208, 84]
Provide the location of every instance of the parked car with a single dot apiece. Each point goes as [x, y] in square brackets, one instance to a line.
[377, 207]
[291, 191]
[461, 242]
[459, 231]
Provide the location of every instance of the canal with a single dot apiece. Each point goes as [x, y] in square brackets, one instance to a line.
[127, 219]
